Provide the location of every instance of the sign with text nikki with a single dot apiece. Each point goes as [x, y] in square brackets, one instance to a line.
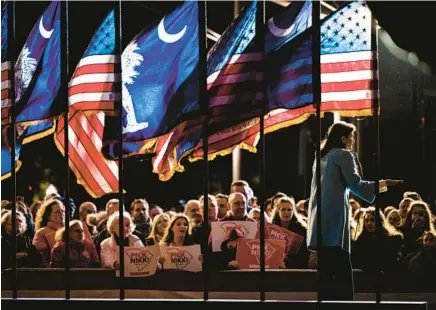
[248, 253]
[275, 232]
[187, 258]
[140, 262]
[220, 230]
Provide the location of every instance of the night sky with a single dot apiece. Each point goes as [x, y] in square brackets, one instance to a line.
[406, 146]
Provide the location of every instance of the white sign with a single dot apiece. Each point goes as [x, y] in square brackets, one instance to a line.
[186, 258]
[140, 262]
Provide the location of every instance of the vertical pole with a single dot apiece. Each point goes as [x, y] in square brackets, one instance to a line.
[316, 82]
[64, 84]
[236, 154]
[260, 37]
[204, 106]
[11, 58]
[376, 137]
[118, 52]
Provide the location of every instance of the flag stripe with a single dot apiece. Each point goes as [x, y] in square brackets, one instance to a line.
[95, 77]
[94, 68]
[94, 97]
[92, 88]
[97, 59]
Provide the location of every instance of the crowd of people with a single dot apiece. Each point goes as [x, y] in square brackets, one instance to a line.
[407, 232]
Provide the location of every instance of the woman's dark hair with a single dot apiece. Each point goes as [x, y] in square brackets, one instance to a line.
[334, 137]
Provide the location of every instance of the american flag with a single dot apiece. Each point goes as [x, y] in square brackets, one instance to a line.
[346, 76]
[93, 88]
[234, 82]
[6, 68]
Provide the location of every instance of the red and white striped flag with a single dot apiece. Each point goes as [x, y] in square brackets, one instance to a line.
[93, 90]
[6, 94]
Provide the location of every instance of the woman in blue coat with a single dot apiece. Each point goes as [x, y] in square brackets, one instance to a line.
[340, 175]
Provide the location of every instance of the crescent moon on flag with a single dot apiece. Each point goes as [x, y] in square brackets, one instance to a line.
[279, 32]
[165, 36]
[44, 33]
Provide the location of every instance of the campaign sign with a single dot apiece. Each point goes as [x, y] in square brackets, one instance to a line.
[140, 262]
[248, 253]
[187, 258]
[220, 230]
[275, 232]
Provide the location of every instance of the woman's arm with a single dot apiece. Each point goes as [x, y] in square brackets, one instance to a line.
[363, 189]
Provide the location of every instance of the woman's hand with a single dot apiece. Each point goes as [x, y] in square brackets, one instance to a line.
[116, 265]
[21, 255]
[161, 260]
[234, 264]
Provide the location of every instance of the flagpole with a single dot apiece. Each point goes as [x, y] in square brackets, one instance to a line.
[204, 106]
[260, 22]
[376, 124]
[118, 52]
[11, 50]
[64, 83]
[316, 84]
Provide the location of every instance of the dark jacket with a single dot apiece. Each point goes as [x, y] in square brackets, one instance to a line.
[24, 244]
[82, 255]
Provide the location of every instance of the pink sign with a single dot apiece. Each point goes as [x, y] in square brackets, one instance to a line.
[275, 232]
[248, 253]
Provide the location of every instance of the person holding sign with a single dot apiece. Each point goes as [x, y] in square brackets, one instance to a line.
[339, 176]
[177, 232]
[285, 215]
[160, 223]
[109, 246]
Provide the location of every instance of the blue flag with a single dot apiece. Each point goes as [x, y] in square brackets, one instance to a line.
[289, 59]
[159, 74]
[6, 68]
[37, 71]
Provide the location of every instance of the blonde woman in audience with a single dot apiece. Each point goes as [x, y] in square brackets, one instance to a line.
[82, 251]
[160, 223]
[49, 219]
[109, 246]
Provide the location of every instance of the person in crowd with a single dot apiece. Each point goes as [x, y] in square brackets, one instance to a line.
[86, 209]
[388, 209]
[222, 201]
[276, 197]
[201, 234]
[340, 175]
[242, 186]
[177, 232]
[355, 206]
[49, 219]
[301, 207]
[160, 223]
[155, 210]
[27, 255]
[139, 210]
[237, 208]
[112, 206]
[364, 247]
[394, 218]
[285, 216]
[254, 214]
[97, 221]
[196, 221]
[268, 205]
[109, 246]
[82, 252]
[192, 207]
[34, 207]
[425, 259]
[170, 213]
[412, 195]
[253, 203]
[226, 259]
[179, 206]
[403, 207]
[418, 220]
[22, 207]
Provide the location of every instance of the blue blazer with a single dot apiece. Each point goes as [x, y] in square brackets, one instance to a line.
[339, 176]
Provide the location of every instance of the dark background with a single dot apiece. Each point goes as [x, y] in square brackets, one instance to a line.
[407, 128]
